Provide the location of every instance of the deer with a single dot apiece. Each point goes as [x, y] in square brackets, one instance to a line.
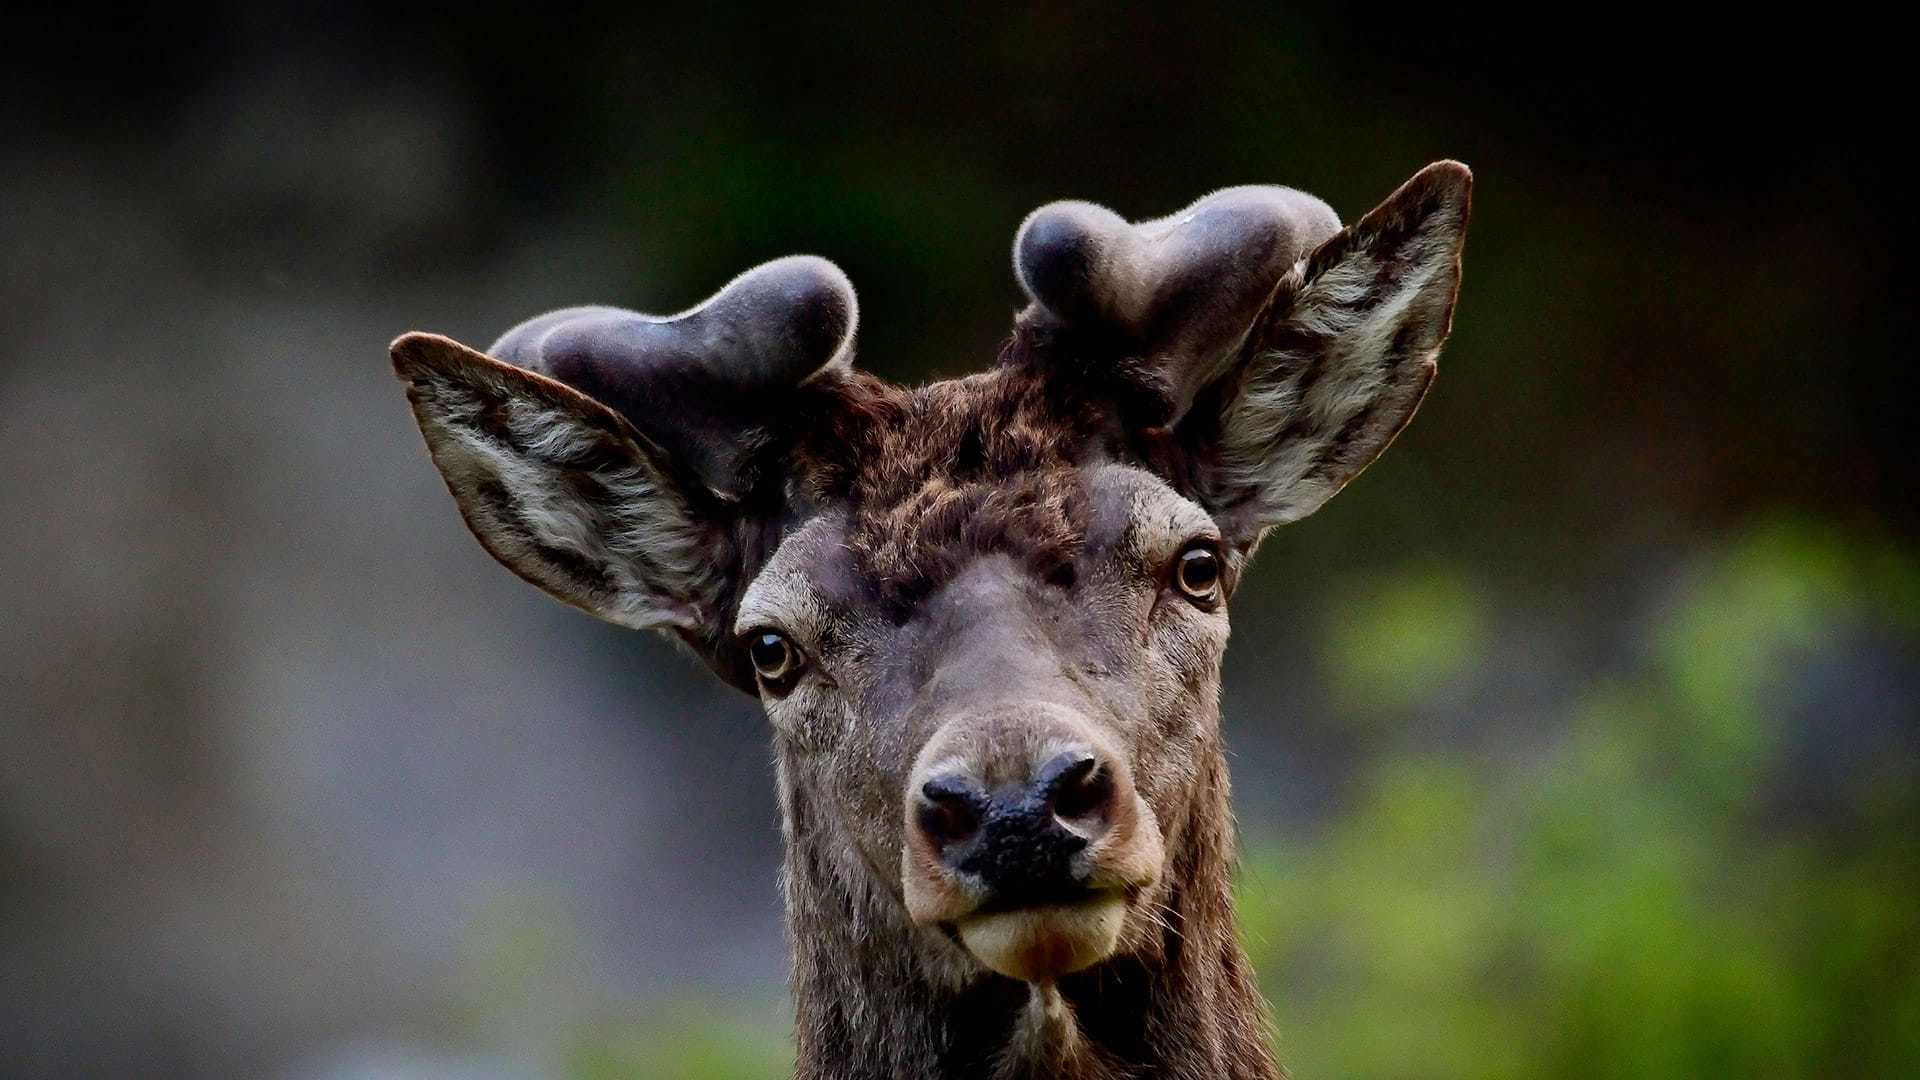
[985, 616]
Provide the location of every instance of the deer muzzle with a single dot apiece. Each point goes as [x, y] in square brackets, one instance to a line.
[1026, 837]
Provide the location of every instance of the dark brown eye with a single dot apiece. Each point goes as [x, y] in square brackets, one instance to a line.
[775, 659]
[1197, 573]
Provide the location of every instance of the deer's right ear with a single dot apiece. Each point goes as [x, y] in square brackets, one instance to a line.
[619, 460]
[564, 491]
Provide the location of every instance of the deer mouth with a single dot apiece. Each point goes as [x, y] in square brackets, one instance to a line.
[1041, 942]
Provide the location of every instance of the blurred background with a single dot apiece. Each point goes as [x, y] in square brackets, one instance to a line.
[1578, 738]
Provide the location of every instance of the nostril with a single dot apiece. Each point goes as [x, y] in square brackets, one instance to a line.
[949, 810]
[1077, 785]
[1087, 794]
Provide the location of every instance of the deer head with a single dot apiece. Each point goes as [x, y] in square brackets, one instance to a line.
[985, 616]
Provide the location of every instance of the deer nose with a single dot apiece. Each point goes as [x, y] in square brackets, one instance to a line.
[1020, 841]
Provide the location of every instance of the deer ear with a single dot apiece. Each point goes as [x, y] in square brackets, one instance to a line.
[1336, 362]
[565, 492]
[617, 460]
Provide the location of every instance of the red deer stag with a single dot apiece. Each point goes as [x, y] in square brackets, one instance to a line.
[985, 616]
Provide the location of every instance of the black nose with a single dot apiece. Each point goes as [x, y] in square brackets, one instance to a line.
[1020, 841]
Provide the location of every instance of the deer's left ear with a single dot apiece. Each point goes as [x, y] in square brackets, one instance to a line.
[1336, 362]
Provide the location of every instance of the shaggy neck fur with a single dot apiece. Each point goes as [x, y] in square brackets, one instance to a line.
[876, 999]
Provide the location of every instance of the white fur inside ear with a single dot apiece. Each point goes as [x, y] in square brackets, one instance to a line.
[1340, 373]
[567, 502]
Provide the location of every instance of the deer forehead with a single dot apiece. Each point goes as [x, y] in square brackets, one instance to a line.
[817, 583]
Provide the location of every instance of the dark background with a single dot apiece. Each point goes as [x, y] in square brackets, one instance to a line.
[1577, 738]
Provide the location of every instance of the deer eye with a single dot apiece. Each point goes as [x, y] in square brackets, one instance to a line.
[1197, 572]
[775, 659]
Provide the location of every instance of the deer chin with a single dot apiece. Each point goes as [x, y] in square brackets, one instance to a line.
[1040, 944]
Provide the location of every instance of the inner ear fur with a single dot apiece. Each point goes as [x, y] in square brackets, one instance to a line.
[566, 493]
[1337, 361]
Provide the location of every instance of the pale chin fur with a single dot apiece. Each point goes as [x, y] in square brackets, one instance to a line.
[1041, 944]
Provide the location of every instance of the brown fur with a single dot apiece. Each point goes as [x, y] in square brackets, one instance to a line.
[935, 477]
[942, 473]
[979, 572]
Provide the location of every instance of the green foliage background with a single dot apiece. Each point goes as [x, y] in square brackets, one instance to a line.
[1626, 904]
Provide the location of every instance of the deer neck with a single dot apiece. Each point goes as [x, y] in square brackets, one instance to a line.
[876, 997]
